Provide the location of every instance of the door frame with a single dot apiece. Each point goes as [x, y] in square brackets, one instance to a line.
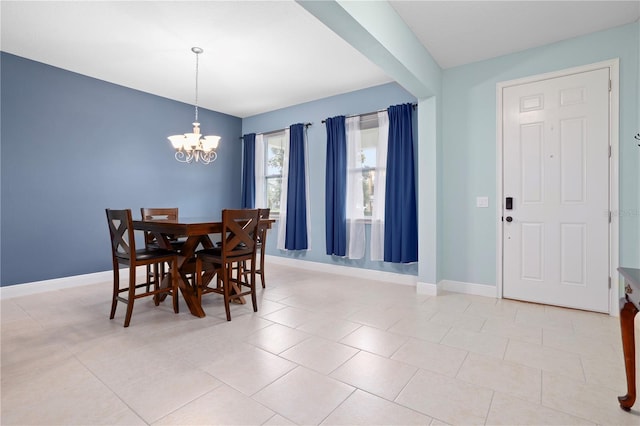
[614, 100]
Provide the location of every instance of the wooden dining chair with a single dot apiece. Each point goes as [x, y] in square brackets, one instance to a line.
[123, 252]
[238, 244]
[159, 214]
[261, 245]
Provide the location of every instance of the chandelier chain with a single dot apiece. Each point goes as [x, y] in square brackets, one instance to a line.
[197, 63]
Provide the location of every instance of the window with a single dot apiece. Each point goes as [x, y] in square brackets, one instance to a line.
[273, 163]
[367, 168]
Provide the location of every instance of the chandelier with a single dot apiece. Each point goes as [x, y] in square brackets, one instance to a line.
[192, 147]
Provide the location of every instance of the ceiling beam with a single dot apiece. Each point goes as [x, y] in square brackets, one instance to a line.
[377, 31]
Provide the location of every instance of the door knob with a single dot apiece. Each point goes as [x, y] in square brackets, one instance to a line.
[509, 219]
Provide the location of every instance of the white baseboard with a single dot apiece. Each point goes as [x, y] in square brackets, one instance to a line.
[17, 290]
[429, 289]
[469, 288]
[369, 274]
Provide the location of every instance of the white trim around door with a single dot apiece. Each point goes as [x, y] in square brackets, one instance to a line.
[613, 66]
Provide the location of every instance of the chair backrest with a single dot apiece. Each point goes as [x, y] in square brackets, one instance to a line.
[264, 213]
[262, 231]
[123, 242]
[157, 214]
[239, 231]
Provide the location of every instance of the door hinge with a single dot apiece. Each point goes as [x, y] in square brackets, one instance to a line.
[609, 151]
[609, 84]
[609, 216]
[609, 282]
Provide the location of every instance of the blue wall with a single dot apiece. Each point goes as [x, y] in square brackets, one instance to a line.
[358, 102]
[72, 146]
[469, 146]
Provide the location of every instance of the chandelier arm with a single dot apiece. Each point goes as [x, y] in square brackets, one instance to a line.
[183, 157]
[209, 157]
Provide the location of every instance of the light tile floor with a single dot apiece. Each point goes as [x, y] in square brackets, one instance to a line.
[323, 349]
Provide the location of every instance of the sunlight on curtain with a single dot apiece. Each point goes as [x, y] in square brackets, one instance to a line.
[377, 215]
[355, 203]
[282, 223]
[261, 199]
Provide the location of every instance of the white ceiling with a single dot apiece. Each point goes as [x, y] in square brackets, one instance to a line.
[461, 32]
[264, 55]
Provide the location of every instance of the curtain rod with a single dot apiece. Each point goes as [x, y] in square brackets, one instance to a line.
[276, 131]
[369, 113]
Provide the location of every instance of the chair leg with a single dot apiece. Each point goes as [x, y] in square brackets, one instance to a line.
[254, 300]
[159, 275]
[245, 270]
[258, 271]
[131, 297]
[150, 276]
[197, 280]
[174, 285]
[116, 287]
[226, 283]
[156, 283]
[262, 266]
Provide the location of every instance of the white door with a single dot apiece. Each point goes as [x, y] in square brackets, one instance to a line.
[556, 171]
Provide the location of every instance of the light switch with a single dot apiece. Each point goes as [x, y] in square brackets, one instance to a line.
[482, 201]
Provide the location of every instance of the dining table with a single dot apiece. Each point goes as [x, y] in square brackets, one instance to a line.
[197, 233]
